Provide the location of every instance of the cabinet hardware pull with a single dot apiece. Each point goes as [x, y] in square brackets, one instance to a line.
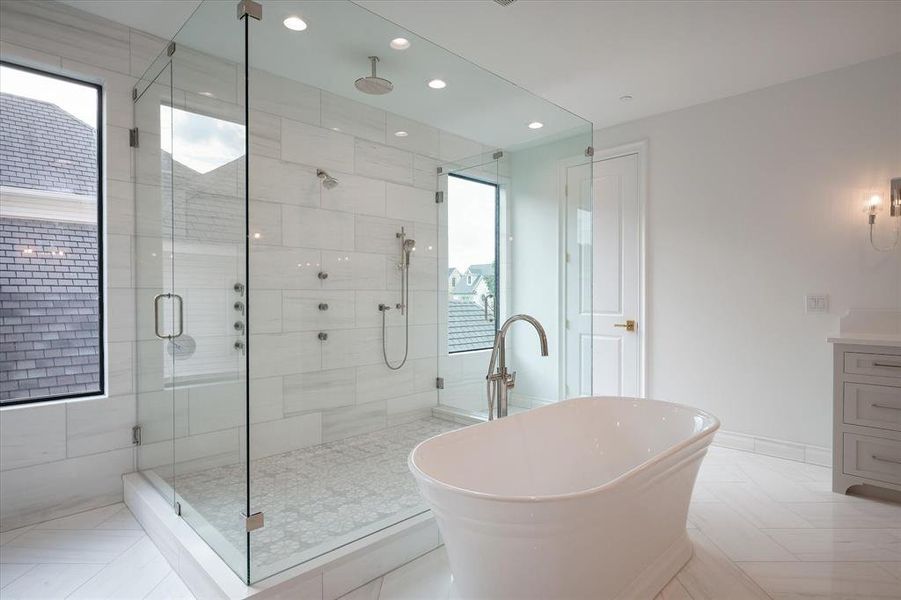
[887, 459]
[887, 365]
[877, 405]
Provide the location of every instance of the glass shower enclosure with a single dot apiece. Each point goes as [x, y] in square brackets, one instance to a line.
[320, 270]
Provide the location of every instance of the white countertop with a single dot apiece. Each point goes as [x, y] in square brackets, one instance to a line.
[867, 339]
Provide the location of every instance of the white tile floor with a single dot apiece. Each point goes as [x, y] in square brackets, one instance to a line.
[762, 528]
[98, 554]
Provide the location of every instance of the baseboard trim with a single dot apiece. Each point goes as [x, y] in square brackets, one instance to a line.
[815, 455]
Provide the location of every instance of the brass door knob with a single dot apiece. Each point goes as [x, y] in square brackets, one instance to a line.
[629, 325]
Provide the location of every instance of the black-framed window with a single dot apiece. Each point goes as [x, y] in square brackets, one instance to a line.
[473, 239]
[51, 242]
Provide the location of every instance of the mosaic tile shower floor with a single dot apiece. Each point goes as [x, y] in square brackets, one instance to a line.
[314, 499]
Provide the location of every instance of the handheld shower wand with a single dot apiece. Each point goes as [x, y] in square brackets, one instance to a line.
[407, 246]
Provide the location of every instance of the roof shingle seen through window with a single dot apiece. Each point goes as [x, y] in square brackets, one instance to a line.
[42, 147]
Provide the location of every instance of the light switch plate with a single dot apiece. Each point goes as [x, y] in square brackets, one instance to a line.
[817, 303]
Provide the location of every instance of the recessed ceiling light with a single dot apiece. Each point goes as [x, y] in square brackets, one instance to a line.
[536, 125]
[256, 235]
[400, 43]
[625, 98]
[401, 134]
[295, 23]
[437, 84]
[207, 94]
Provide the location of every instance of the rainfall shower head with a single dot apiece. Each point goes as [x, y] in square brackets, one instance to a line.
[328, 182]
[373, 84]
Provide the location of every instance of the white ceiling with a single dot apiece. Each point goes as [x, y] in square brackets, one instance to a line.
[584, 55]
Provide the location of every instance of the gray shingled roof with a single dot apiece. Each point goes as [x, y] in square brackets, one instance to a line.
[42, 147]
[48, 309]
[467, 328]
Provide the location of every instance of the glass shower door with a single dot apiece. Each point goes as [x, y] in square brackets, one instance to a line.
[192, 308]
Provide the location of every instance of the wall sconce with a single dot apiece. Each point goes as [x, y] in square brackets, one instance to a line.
[874, 205]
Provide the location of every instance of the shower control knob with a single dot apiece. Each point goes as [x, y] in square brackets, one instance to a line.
[323, 306]
[239, 306]
[239, 345]
[323, 275]
[239, 326]
[239, 288]
[323, 336]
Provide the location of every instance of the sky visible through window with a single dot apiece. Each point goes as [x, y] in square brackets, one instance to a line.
[78, 100]
[470, 222]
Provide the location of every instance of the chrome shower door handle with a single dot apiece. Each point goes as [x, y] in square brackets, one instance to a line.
[156, 316]
[181, 316]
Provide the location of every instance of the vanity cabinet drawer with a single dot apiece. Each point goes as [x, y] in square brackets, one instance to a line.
[880, 365]
[872, 405]
[874, 458]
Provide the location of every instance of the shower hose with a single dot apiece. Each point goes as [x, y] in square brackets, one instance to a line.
[405, 303]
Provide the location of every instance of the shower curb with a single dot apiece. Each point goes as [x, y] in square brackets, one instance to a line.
[327, 577]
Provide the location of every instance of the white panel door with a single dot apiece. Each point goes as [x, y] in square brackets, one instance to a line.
[603, 354]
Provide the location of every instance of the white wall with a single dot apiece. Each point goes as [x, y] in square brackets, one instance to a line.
[755, 201]
[536, 275]
[63, 457]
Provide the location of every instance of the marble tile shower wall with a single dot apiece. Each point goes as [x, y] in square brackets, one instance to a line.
[304, 390]
[61, 458]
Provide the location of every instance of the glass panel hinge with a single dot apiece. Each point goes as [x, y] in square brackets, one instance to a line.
[170, 49]
[133, 137]
[439, 383]
[497, 155]
[589, 151]
[136, 435]
[253, 522]
[439, 197]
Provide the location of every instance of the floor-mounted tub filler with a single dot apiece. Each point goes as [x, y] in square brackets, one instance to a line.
[586, 498]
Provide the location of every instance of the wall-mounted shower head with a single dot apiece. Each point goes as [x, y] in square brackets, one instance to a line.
[328, 182]
[373, 84]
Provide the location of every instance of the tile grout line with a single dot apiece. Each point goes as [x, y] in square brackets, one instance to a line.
[20, 575]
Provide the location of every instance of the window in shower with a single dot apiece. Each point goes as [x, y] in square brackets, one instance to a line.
[472, 284]
[51, 304]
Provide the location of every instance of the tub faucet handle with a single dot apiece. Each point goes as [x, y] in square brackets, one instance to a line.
[511, 380]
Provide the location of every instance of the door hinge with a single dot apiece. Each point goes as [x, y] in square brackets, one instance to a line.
[177, 507]
[170, 49]
[440, 170]
[497, 155]
[133, 137]
[136, 435]
[253, 522]
[134, 94]
[568, 257]
[249, 8]
[566, 322]
[439, 197]
[589, 151]
[439, 383]
[566, 190]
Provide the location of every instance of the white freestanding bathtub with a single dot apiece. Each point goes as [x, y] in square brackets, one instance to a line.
[586, 498]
